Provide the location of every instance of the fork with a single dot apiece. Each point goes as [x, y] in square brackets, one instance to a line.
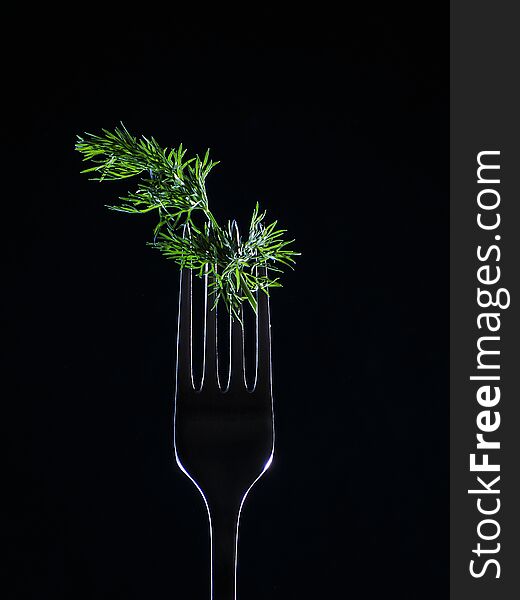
[223, 430]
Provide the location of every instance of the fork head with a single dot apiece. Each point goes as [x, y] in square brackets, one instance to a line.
[223, 430]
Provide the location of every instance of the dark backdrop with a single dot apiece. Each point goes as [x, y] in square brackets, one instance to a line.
[340, 130]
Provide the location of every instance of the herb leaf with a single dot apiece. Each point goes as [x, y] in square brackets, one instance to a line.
[187, 231]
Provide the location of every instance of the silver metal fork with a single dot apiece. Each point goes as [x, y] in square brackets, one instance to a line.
[223, 430]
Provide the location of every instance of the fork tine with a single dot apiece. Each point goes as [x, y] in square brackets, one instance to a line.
[263, 343]
[210, 376]
[184, 370]
[237, 374]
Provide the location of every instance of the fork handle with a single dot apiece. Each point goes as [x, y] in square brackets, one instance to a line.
[224, 530]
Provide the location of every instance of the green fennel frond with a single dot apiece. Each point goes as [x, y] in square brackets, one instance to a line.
[175, 187]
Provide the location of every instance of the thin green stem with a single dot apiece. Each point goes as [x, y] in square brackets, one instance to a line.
[176, 188]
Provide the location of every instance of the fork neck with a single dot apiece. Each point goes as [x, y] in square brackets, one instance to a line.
[224, 533]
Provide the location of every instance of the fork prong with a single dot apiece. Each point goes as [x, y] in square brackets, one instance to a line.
[184, 343]
[237, 372]
[263, 342]
[210, 377]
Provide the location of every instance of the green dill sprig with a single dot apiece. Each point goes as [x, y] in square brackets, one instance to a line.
[187, 231]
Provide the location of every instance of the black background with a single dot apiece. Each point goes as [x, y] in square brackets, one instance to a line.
[339, 127]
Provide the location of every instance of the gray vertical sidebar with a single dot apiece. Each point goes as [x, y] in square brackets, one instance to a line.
[485, 117]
